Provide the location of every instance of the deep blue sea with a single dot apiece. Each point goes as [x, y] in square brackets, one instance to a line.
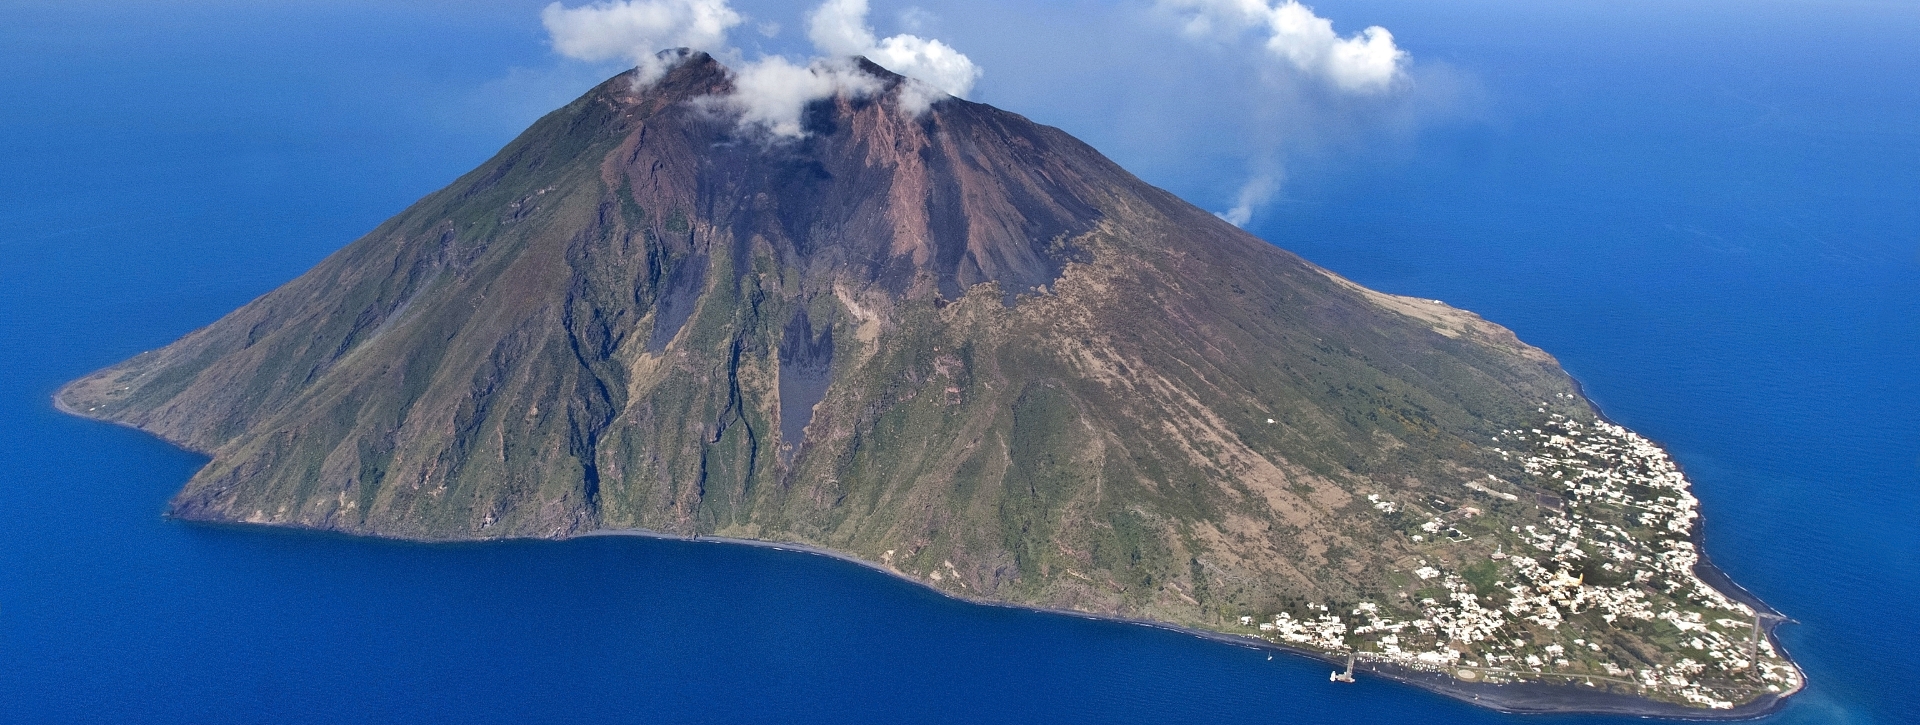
[1709, 212]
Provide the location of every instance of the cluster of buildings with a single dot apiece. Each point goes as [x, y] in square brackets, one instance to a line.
[1599, 589]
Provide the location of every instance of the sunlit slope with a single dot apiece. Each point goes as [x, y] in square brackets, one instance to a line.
[957, 344]
[1024, 360]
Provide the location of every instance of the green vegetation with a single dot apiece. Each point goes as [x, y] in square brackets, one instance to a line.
[1081, 393]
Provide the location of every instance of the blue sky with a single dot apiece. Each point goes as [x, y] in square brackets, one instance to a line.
[1198, 116]
[1707, 210]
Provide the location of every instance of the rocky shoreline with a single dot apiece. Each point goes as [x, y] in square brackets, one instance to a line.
[1512, 697]
[1517, 697]
[1541, 698]
[1533, 698]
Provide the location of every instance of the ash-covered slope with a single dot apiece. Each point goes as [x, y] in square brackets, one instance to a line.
[958, 344]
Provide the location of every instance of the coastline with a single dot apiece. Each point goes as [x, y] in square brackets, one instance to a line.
[1712, 574]
[1533, 698]
[61, 405]
[1536, 698]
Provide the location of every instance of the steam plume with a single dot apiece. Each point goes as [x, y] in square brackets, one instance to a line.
[1302, 59]
[839, 27]
[769, 93]
[637, 29]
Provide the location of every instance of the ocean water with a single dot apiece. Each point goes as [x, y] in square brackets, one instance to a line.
[1711, 217]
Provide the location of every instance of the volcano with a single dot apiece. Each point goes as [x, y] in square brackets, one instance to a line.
[957, 345]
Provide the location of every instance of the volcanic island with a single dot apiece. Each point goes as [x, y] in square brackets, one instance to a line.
[944, 341]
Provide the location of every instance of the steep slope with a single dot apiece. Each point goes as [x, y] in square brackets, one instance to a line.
[958, 344]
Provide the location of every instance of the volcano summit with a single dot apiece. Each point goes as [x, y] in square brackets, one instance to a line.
[968, 349]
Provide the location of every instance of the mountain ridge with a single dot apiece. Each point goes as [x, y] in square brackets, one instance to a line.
[954, 343]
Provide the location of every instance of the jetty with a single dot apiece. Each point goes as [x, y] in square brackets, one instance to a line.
[1338, 676]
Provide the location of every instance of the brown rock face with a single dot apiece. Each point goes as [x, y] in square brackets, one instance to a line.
[947, 199]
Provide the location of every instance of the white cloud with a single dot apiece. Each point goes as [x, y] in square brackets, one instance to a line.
[916, 19]
[638, 29]
[839, 27]
[931, 61]
[916, 96]
[1311, 84]
[1365, 62]
[772, 93]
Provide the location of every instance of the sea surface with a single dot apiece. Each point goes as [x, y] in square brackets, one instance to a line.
[1710, 214]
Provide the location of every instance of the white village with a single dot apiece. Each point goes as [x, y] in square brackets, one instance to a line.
[1600, 593]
